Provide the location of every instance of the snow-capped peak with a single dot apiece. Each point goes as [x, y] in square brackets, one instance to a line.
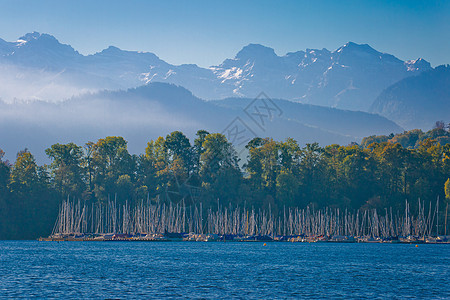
[36, 38]
[354, 47]
[353, 71]
[255, 51]
[417, 65]
[30, 36]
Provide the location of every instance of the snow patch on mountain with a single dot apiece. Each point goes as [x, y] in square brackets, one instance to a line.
[311, 76]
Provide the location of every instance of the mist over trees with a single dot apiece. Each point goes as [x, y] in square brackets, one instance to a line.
[383, 172]
[411, 139]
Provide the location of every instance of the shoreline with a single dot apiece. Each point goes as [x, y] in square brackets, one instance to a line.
[227, 238]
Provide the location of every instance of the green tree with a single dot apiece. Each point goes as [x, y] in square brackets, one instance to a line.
[4, 175]
[264, 164]
[32, 204]
[110, 160]
[26, 176]
[312, 171]
[4, 195]
[155, 165]
[198, 149]
[359, 169]
[432, 167]
[290, 156]
[218, 154]
[391, 160]
[219, 168]
[67, 168]
[124, 187]
[367, 141]
[447, 190]
[87, 163]
[288, 189]
[179, 148]
[409, 139]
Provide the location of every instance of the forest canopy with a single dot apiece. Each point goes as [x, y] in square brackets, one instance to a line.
[381, 172]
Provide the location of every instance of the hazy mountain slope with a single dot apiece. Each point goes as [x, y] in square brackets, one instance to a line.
[144, 113]
[24, 83]
[350, 77]
[418, 101]
[38, 67]
[356, 124]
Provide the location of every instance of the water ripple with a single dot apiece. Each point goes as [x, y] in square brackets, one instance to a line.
[222, 270]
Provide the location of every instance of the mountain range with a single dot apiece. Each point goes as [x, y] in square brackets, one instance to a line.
[51, 93]
[350, 77]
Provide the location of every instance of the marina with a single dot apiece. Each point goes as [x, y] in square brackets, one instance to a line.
[154, 222]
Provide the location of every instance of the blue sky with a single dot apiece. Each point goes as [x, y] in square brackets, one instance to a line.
[207, 32]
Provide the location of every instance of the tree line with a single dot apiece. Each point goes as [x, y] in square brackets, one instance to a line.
[411, 139]
[276, 174]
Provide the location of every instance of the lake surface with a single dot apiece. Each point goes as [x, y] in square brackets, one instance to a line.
[222, 270]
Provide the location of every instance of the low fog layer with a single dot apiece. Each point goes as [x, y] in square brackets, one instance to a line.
[37, 125]
[144, 113]
[20, 83]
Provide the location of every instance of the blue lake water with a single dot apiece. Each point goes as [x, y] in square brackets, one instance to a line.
[222, 270]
